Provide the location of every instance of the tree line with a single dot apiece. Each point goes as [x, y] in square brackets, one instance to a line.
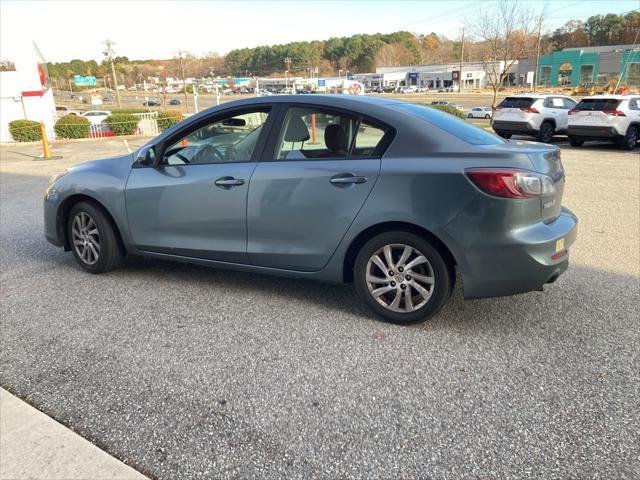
[357, 53]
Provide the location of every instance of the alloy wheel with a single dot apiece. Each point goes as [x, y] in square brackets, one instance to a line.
[86, 238]
[400, 278]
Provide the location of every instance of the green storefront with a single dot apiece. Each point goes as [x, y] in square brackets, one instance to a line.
[568, 68]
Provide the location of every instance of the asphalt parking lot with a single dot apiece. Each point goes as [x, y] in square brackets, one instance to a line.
[189, 372]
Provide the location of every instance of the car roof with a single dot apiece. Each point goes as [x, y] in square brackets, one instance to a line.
[612, 97]
[538, 95]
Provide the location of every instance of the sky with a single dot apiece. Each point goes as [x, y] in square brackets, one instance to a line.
[64, 30]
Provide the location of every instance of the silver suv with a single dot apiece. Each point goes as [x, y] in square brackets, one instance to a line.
[614, 118]
[541, 116]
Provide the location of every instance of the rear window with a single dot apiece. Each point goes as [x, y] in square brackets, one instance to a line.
[516, 102]
[597, 104]
[450, 124]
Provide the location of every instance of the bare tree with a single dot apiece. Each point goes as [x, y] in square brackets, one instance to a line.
[504, 33]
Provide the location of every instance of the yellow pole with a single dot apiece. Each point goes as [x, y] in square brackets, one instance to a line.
[45, 141]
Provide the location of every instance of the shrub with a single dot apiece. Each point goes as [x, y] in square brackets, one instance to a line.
[130, 110]
[25, 130]
[72, 126]
[449, 109]
[122, 123]
[168, 119]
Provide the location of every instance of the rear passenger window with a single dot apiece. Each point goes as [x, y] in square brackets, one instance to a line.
[311, 133]
[569, 104]
[557, 103]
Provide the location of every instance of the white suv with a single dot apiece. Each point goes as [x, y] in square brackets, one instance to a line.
[541, 116]
[615, 118]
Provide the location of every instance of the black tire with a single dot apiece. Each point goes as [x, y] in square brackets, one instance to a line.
[487, 117]
[442, 273]
[546, 132]
[576, 142]
[469, 116]
[504, 134]
[630, 139]
[110, 252]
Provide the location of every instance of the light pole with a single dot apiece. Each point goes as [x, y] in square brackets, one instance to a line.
[109, 54]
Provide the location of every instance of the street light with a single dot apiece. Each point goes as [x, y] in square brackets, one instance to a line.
[339, 72]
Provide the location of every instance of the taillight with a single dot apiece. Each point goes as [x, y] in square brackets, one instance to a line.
[573, 110]
[615, 113]
[510, 183]
[529, 110]
[495, 109]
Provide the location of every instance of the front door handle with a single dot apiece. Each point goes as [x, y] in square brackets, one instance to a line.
[347, 179]
[228, 182]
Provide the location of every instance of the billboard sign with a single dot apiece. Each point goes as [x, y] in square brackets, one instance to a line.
[84, 80]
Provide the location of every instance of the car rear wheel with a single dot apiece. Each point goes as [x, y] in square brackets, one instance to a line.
[504, 135]
[575, 142]
[630, 139]
[92, 238]
[402, 277]
[487, 117]
[546, 132]
[469, 116]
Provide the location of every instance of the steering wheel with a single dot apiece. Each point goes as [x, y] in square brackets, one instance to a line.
[207, 153]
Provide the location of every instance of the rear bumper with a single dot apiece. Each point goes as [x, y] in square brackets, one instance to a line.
[513, 127]
[528, 259]
[593, 132]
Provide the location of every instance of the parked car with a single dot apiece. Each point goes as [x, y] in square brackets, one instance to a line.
[174, 101]
[422, 89]
[152, 102]
[447, 102]
[540, 116]
[376, 90]
[367, 210]
[480, 112]
[410, 89]
[614, 118]
[96, 117]
[62, 110]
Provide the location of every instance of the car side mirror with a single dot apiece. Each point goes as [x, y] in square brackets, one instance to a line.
[146, 157]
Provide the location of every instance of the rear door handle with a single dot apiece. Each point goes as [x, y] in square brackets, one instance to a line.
[228, 182]
[347, 179]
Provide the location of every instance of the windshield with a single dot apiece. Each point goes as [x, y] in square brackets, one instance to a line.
[516, 102]
[597, 104]
[452, 125]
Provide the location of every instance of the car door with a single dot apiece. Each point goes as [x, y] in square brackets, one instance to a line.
[317, 171]
[193, 202]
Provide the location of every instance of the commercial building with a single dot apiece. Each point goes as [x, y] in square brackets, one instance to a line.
[572, 66]
[25, 92]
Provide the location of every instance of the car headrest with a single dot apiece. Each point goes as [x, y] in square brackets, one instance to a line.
[335, 138]
[297, 130]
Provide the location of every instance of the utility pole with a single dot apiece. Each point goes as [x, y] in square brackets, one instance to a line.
[460, 81]
[109, 54]
[535, 74]
[287, 62]
[184, 81]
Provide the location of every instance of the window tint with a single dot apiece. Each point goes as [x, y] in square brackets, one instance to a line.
[568, 103]
[310, 133]
[516, 102]
[368, 138]
[450, 124]
[230, 139]
[597, 104]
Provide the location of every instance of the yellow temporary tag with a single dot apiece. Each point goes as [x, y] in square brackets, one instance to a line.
[560, 245]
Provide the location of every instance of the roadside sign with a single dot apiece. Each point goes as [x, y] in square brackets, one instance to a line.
[84, 80]
[322, 82]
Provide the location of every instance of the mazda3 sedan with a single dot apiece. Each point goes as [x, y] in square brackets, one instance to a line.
[395, 197]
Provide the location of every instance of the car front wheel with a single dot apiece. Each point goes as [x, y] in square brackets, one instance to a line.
[92, 239]
[575, 142]
[402, 277]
